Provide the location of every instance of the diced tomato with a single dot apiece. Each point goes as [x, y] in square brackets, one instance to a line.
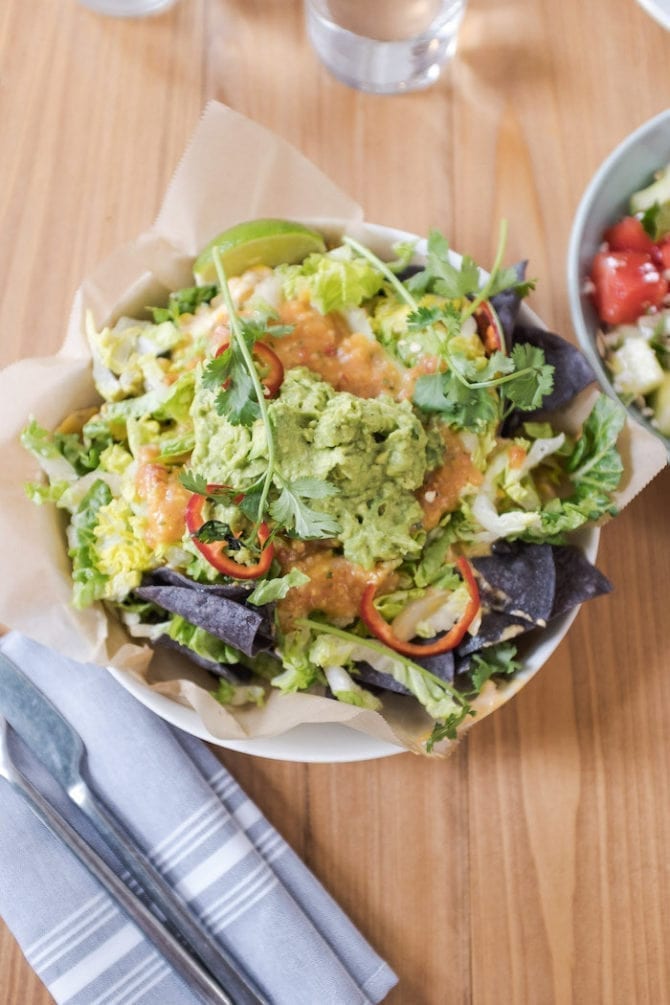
[628, 235]
[627, 284]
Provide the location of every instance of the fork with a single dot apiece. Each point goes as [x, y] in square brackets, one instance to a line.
[53, 740]
[171, 949]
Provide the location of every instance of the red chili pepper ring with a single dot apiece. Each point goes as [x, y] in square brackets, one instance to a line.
[215, 552]
[384, 632]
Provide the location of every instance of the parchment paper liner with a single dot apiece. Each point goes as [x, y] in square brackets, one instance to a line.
[232, 170]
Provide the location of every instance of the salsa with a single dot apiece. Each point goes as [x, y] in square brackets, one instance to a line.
[629, 284]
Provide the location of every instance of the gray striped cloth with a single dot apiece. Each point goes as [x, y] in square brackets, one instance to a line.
[187, 812]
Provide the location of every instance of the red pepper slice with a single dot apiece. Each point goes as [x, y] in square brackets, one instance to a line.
[272, 365]
[215, 552]
[489, 328]
[383, 631]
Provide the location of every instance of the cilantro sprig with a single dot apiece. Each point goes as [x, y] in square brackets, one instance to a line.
[463, 391]
[241, 399]
[443, 277]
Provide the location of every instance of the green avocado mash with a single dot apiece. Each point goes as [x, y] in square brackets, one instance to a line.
[373, 451]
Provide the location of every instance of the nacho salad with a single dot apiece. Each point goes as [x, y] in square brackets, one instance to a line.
[317, 471]
[629, 284]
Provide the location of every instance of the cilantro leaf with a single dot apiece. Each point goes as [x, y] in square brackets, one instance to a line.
[533, 379]
[292, 512]
[238, 400]
[214, 530]
[429, 393]
[250, 505]
[218, 370]
[423, 317]
[508, 279]
[199, 485]
[498, 659]
[193, 482]
[447, 728]
[463, 406]
[441, 276]
[594, 468]
[656, 220]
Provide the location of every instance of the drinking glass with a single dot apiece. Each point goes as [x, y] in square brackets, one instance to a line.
[384, 46]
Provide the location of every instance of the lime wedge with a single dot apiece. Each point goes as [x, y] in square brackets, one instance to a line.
[257, 242]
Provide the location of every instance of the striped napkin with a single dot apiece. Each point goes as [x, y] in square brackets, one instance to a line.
[198, 826]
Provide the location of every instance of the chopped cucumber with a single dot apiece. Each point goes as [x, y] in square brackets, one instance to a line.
[635, 367]
[660, 402]
[657, 192]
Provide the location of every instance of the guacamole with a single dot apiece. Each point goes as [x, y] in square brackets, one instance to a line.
[373, 451]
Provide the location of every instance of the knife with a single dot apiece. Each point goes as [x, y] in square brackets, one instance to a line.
[61, 750]
[171, 949]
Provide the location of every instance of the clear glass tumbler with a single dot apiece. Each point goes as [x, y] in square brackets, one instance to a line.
[384, 46]
[127, 8]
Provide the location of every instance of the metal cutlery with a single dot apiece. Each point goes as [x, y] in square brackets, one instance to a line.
[173, 951]
[59, 747]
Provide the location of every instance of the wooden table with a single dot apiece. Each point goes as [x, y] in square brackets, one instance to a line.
[532, 866]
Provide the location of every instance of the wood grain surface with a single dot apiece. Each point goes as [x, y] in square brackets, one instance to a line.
[532, 867]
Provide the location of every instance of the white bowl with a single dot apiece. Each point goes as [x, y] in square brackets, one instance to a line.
[629, 167]
[333, 742]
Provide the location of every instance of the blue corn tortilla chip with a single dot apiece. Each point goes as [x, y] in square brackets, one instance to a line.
[495, 626]
[367, 675]
[169, 577]
[231, 591]
[577, 579]
[234, 623]
[518, 579]
[441, 665]
[238, 675]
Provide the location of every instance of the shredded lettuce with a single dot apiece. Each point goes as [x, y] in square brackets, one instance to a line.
[90, 583]
[269, 590]
[336, 647]
[345, 689]
[299, 672]
[46, 449]
[594, 468]
[201, 642]
[334, 281]
[227, 693]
